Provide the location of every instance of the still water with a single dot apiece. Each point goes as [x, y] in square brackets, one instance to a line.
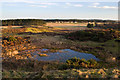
[62, 55]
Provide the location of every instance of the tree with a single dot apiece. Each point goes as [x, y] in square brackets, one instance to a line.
[90, 25]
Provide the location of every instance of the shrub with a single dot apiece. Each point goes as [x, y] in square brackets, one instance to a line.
[63, 67]
[92, 62]
[93, 35]
[12, 38]
[90, 25]
[77, 63]
[9, 38]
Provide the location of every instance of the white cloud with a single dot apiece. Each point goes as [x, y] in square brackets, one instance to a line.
[109, 7]
[44, 5]
[68, 3]
[48, 3]
[95, 4]
[73, 5]
[11, 1]
[32, 3]
[29, 1]
[38, 6]
[106, 7]
[78, 5]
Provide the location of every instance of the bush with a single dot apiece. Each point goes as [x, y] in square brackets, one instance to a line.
[77, 63]
[10, 38]
[63, 67]
[93, 35]
[90, 25]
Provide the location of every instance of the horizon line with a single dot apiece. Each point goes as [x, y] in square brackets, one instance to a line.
[61, 19]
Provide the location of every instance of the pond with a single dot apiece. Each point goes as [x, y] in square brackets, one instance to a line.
[61, 55]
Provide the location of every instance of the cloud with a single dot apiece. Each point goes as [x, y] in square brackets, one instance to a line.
[78, 5]
[11, 1]
[48, 3]
[39, 6]
[44, 5]
[106, 7]
[28, 1]
[95, 5]
[73, 5]
[109, 7]
[68, 3]
[32, 3]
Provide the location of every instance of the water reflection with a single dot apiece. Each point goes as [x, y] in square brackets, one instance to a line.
[61, 55]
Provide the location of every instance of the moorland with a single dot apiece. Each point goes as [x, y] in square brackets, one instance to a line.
[26, 40]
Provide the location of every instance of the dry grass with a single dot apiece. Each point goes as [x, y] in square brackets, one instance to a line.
[66, 24]
[42, 29]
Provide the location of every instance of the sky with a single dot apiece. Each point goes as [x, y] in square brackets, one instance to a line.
[36, 9]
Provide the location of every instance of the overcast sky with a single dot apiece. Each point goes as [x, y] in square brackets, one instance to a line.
[12, 9]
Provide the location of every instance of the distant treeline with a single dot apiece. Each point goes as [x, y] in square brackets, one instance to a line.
[78, 20]
[40, 22]
[23, 22]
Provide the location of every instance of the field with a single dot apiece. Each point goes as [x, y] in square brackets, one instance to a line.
[19, 46]
[66, 24]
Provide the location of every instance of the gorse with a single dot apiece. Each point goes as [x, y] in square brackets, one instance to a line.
[76, 63]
